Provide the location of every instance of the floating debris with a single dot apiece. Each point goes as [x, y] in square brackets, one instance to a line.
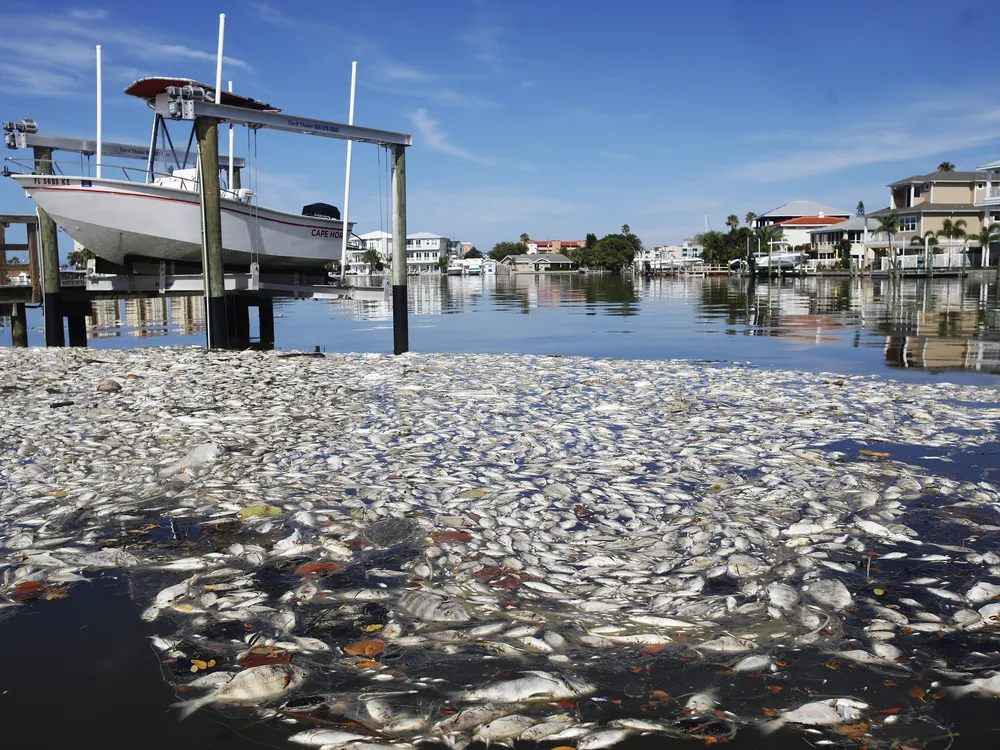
[392, 550]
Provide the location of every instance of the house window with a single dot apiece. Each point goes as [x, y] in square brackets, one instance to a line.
[980, 185]
[907, 223]
[916, 191]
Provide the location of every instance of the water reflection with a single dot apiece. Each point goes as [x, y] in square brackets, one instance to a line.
[146, 318]
[916, 327]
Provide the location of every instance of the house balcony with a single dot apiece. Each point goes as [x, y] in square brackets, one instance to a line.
[992, 195]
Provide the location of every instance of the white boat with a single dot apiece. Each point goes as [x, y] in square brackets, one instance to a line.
[160, 218]
[455, 270]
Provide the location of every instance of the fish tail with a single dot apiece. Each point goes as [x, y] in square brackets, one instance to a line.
[189, 707]
[770, 727]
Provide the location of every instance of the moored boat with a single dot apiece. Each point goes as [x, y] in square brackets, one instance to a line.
[160, 218]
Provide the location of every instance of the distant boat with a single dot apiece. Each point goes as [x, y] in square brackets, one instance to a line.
[455, 269]
[159, 218]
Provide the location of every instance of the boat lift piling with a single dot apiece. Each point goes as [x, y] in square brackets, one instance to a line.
[207, 129]
[51, 296]
[400, 318]
[180, 104]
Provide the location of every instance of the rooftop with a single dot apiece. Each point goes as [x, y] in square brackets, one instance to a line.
[810, 220]
[930, 208]
[804, 208]
[938, 177]
[856, 223]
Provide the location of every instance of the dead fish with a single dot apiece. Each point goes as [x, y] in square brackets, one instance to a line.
[470, 718]
[198, 456]
[831, 593]
[431, 607]
[982, 685]
[819, 714]
[505, 729]
[602, 739]
[327, 738]
[728, 644]
[534, 686]
[253, 685]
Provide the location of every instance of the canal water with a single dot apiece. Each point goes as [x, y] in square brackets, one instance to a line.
[914, 329]
[71, 679]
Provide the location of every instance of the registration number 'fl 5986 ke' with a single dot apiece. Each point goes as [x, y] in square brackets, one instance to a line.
[51, 181]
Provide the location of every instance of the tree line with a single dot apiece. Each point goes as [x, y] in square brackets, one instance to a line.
[612, 252]
[718, 248]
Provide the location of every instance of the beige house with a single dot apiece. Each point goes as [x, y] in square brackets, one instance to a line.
[922, 203]
[536, 263]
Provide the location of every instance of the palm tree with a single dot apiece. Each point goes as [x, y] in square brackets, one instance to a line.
[733, 222]
[929, 238]
[889, 224]
[987, 236]
[750, 216]
[372, 258]
[524, 238]
[626, 230]
[952, 230]
[946, 166]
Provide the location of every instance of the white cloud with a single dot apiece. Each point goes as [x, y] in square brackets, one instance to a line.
[434, 137]
[485, 43]
[62, 54]
[934, 127]
[527, 84]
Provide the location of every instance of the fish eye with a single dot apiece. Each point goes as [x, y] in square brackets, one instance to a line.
[447, 612]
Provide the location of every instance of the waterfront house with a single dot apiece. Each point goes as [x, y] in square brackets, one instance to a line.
[796, 210]
[422, 251]
[989, 201]
[922, 203]
[536, 263]
[824, 241]
[553, 246]
[796, 231]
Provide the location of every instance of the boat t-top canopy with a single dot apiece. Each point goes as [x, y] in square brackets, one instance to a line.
[149, 88]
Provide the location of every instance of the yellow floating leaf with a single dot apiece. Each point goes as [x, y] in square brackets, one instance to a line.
[194, 668]
[374, 627]
[473, 493]
[878, 592]
[211, 662]
[200, 664]
[259, 510]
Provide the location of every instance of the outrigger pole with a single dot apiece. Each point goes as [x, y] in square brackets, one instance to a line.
[187, 103]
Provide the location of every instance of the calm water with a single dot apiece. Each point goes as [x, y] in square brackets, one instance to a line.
[913, 330]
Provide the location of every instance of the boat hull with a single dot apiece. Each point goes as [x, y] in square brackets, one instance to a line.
[116, 219]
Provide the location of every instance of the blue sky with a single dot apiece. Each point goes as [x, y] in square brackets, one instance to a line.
[551, 118]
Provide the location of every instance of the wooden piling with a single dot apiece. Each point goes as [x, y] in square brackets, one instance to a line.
[207, 130]
[265, 313]
[34, 266]
[76, 319]
[400, 320]
[51, 291]
[19, 325]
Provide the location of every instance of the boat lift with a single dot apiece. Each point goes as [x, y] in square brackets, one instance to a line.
[194, 103]
[24, 134]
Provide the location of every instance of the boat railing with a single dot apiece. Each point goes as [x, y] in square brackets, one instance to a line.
[67, 167]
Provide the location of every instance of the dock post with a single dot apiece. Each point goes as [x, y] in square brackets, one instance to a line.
[266, 316]
[51, 293]
[19, 326]
[400, 322]
[33, 265]
[76, 318]
[207, 129]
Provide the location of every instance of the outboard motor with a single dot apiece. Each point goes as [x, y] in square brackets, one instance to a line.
[323, 210]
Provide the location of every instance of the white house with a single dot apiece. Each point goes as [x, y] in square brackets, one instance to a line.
[422, 251]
